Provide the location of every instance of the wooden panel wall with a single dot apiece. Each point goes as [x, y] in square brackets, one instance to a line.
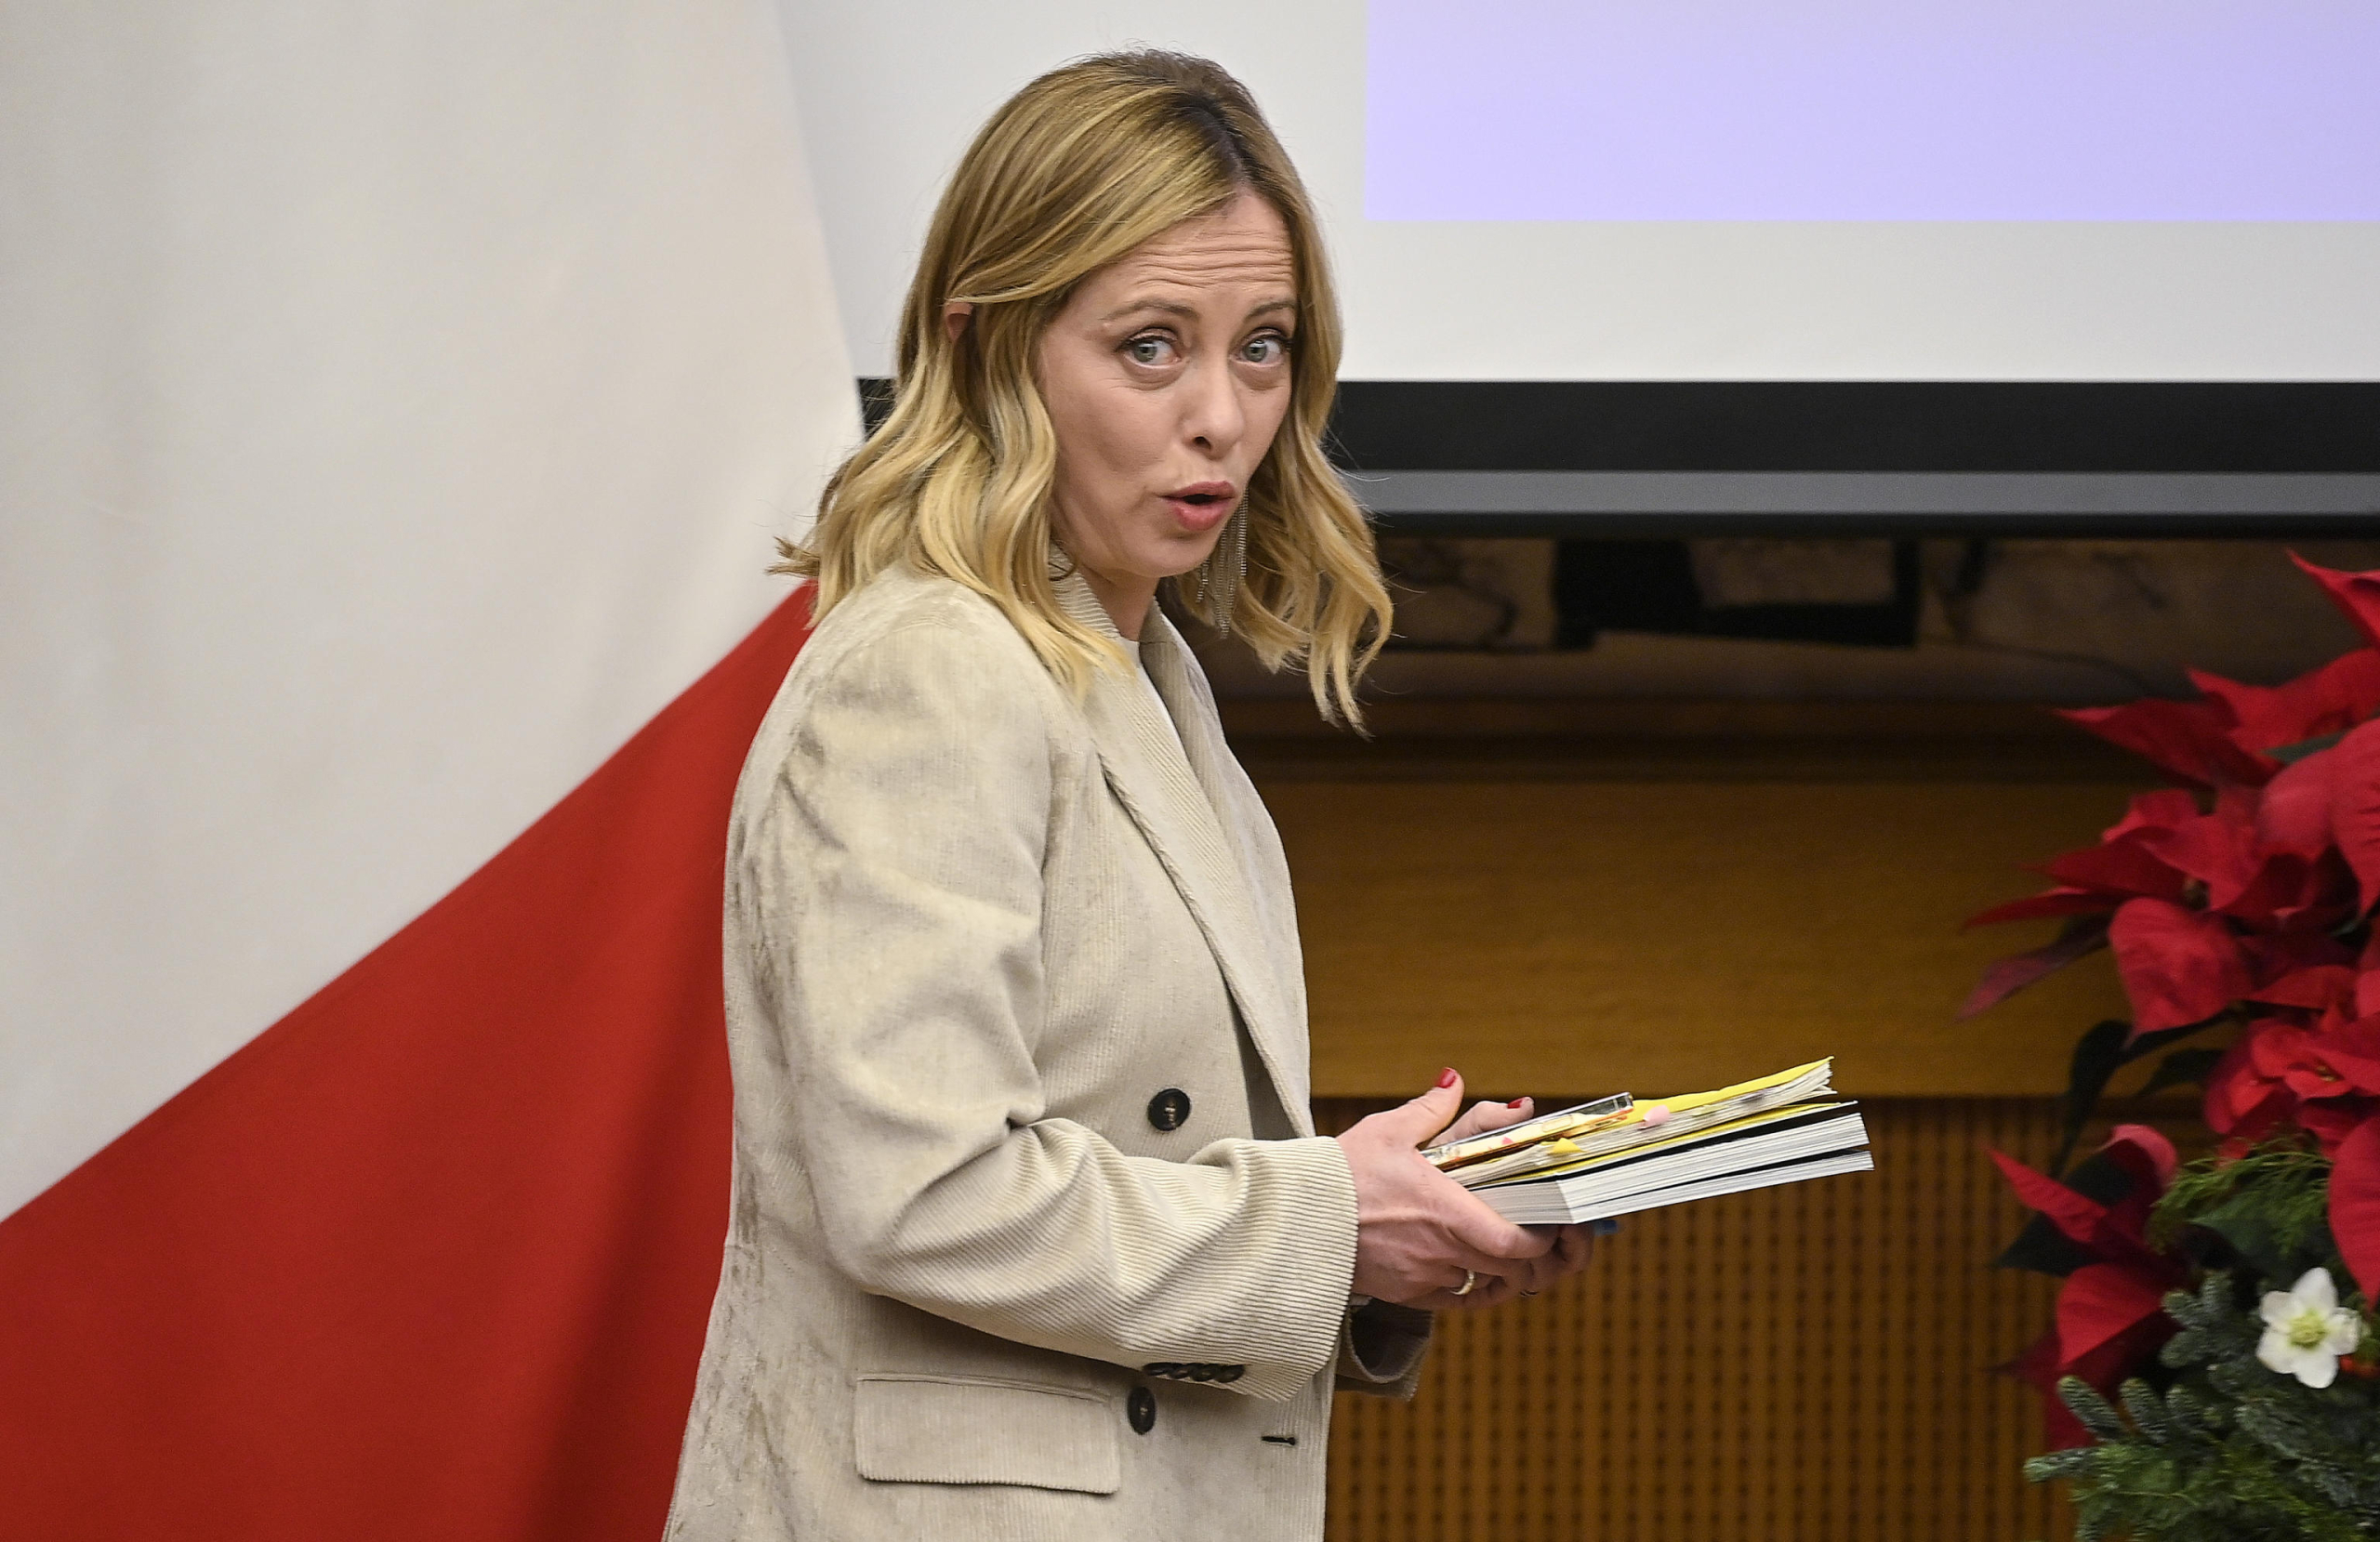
[1803, 1365]
[1711, 897]
[1660, 938]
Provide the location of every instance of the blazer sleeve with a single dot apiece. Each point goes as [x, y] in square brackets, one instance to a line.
[891, 885]
[1380, 1352]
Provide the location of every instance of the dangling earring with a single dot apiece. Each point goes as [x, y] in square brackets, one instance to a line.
[1225, 568]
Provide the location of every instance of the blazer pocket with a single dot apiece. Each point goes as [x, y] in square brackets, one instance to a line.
[974, 1430]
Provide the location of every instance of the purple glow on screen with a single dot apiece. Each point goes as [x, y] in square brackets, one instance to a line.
[2203, 110]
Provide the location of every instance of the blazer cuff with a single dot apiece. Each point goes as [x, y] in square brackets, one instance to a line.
[1307, 1294]
[1381, 1350]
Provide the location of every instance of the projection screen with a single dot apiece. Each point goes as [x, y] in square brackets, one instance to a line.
[2181, 196]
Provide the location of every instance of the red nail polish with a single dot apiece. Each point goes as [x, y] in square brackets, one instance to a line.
[1447, 1078]
[1516, 1102]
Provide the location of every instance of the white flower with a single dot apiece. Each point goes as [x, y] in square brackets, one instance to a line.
[2306, 1330]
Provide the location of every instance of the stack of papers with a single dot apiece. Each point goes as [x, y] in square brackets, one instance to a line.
[1617, 1156]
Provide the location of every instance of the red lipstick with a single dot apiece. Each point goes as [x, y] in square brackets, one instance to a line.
[1203, 505]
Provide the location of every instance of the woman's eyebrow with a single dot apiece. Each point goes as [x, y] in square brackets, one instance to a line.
[1163, 307]
[1187, 312]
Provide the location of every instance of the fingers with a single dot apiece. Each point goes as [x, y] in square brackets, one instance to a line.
[1418, 1230]
[1417, 1123]
[1575, 1247]
[1484, 1239]
[1489, 1291]
[1530, 1275]
[1572, 1248]
[1484, 1117]
[1484, 1297]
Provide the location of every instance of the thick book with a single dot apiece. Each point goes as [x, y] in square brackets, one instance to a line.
[1618, 1156]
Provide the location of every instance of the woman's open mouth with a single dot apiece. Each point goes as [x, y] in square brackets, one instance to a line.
[1202, 505]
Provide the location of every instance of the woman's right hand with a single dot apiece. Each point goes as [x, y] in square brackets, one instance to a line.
[1417, 1230]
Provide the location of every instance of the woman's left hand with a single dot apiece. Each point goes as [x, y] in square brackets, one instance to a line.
[1484, 1117]
[1572, 1247]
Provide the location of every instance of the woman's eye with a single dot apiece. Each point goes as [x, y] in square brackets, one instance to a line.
[1270, 349]
[1147, 351]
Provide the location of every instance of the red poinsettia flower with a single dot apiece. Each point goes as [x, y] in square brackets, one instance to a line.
[2257, 875]
[2245, 1101]
[2357, 594]
[2329, 700]
[2244, 894]
[2324, 1078]
[2334, 1062]
[2240, 900]
[2310, 972]
[2355, 807]
[2355, 1204]
[2179, 966]
[2111, 1311]
[2121, 865]
[2097, 878]
[2188, 741]
[2226, 737]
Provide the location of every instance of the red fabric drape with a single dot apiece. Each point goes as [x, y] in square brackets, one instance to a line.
[432, 1256]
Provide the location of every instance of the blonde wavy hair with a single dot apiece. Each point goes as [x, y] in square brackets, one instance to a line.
[1075, 171]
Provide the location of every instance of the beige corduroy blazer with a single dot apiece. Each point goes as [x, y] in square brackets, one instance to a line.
[1031, 1236]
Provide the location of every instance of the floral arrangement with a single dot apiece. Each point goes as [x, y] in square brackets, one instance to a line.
[2214, 1371]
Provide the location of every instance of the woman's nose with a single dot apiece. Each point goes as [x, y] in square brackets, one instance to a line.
[1213, 417]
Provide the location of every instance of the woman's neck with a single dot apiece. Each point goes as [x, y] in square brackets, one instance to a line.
[1126, 600]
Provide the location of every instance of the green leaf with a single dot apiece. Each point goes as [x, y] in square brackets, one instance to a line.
[2280, 1241]
[2289, 754]
[2248, 1226]
[2099, 1054]
[2182, 1068]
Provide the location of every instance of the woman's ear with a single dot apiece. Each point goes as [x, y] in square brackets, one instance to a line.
[954, 318]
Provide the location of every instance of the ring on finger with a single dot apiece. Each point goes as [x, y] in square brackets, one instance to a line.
[1469, 1279]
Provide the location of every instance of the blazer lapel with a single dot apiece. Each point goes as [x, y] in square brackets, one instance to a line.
[1175, 785]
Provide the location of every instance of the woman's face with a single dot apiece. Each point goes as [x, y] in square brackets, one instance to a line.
[1166, 375]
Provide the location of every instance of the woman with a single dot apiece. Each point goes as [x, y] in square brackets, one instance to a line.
[1032, 1236]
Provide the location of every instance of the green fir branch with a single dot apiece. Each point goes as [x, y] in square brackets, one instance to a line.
[2232, 1451]
[2272, 1204]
